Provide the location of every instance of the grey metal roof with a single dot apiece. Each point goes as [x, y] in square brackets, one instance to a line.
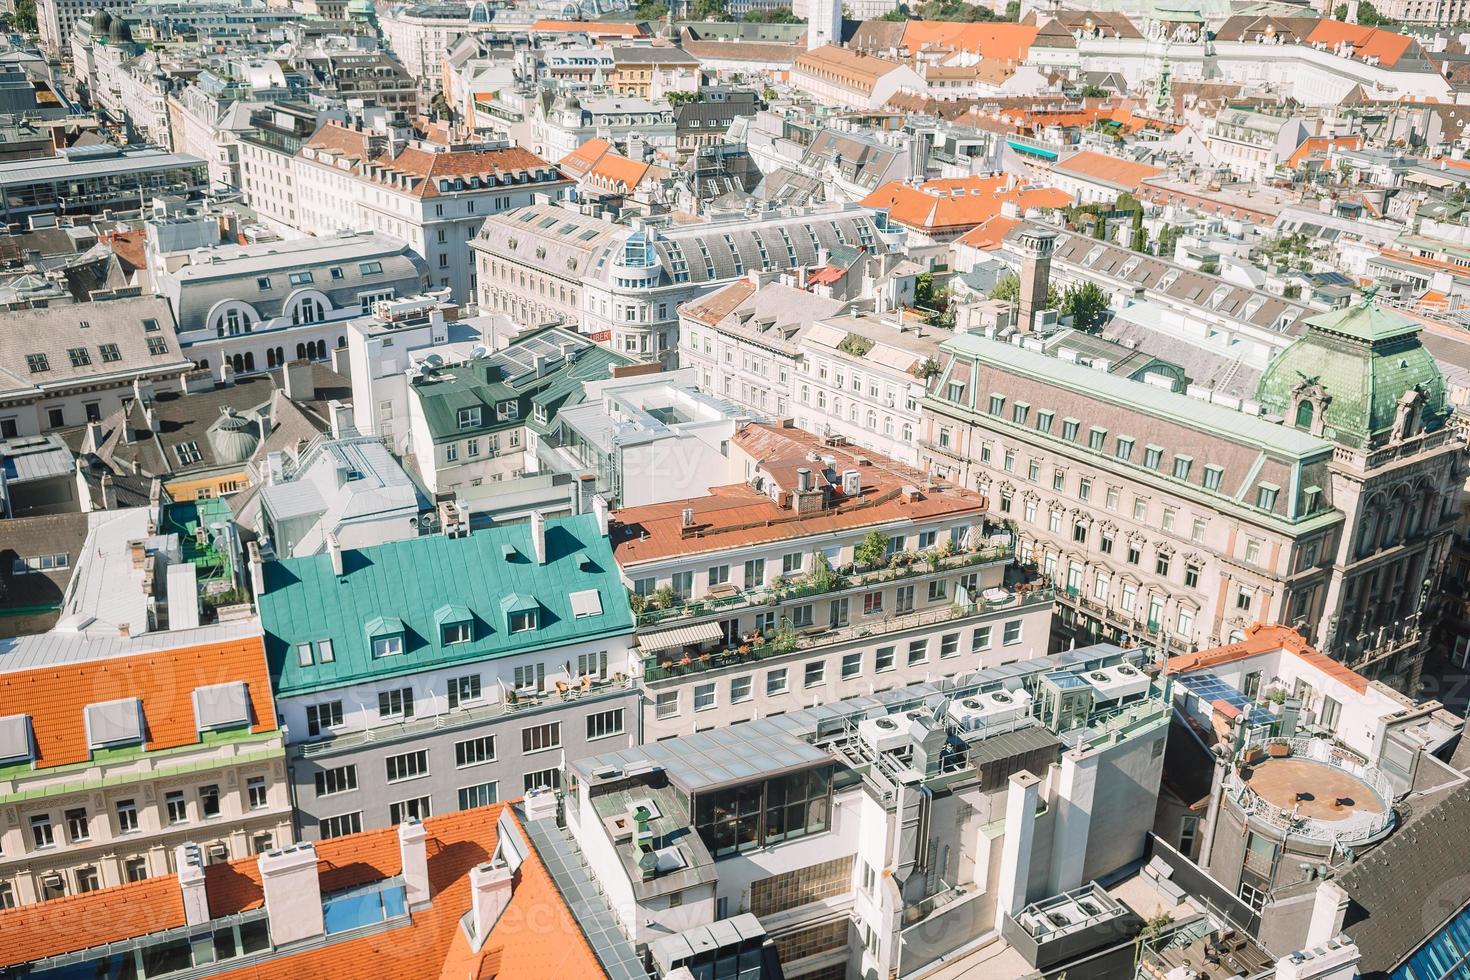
[15, 173]
[722, 757]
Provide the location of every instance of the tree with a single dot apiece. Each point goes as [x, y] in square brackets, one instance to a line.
[1008, 290]
[773, 15]
[924, 289]
[1087, 305]
[1169, 240]
[871, 549]
[709, 9]
[25, 16]
[651, 10]
[1093, 92]
[680, 98]
[1368, 15]
[894, 15]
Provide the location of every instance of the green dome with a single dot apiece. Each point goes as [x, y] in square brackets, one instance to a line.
[101, 21]
[1347, 375]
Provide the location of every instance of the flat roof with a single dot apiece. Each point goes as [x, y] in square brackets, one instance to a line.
[61, 168]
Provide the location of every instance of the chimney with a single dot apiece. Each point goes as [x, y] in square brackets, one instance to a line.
[190, 862]
[341, 419]
[334, 548]
[92, 438]
[109, 493]
[415, 857]
[263, 420]
[151, 417]
[275, 467]
[491, 886]
[1329, 909]
[538, 536]
[226, 373]
[293, 894]
[686, 517]
[599, 508]
[84, 489]
[803, 479]
[257, 568]
[1022, 796]
[297, 382]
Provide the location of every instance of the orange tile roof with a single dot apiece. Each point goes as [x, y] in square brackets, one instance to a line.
[954, 203]
[432, 167]
[1005, 41]
[1108, 169]
[989, 234]
[1319, 144]
[585, 157]
[1367, 42]
[1270, 638]
[719, 304]
[736, 515]
[56, 697]
[853, 68]
[536, 937]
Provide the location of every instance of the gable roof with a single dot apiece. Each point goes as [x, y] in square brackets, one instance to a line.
[56, 697]
[1365, 42]
[1268, 639]
[958, 202]
[304, 600]
[1106, 169]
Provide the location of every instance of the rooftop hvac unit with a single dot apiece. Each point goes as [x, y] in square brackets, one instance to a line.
[1116, 683]
[990, 708]
[883, 734]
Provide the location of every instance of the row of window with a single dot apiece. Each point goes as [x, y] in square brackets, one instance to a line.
[491, 448]
[814, 673]
[77, 821]
[39, 363]
[422, 807]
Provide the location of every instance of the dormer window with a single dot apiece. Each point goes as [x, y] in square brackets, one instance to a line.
[386, 635]
[220, 707]
[469, 418]
[509, 409]
[114, 724]
[522, 612]
[523, 621]
[455, 623]
[15, 740]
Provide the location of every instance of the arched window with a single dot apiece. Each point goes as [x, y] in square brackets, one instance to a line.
[280, 356]
[300, 352]
[238, 363]
[1304, 414]
[249, 361]
[270, 358]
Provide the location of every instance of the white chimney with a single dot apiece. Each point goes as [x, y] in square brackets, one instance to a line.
[341, 419]
[538, 536]
[275, 467]
[226, 373]
[412, 849]
[334, 548]
[190, 862]
[686, 517]
[293, 894]
[257, 568]
[803, 479]
[491, 886]
[599, 508]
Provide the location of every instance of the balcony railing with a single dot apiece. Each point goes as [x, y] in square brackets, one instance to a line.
[773, 595]
[515, 702]
[1143, 629]
[664, 666]
[1355, 828]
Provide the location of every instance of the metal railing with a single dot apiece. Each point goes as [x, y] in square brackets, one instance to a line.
[1355, 828]
[798, 589]
[462, 716]
[661, 667]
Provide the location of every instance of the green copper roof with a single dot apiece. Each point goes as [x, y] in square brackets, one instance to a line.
[418, 584]
[1364, 358]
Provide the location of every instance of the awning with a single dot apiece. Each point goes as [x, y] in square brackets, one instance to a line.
[683, 636]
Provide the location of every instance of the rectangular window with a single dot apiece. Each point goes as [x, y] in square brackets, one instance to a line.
[903, 599]
[409, 765]
[342, 779]
[127, 817]
[42, 833]
[980, 639]
[463, 690]
[255, 793]
[719, 575]
[543, 779]
[396, 704]
[387, 646]
[1181, 467]
[604, 724]
[949, 645]
[852, 664]
[918, 651]
[704, 696]
[1069, 429]
[176, 807]
[77, 827]
[938, 589]
[209, 801]
[755, 573]
[474, 751]
[872, 603]
[740, 689]
[815, 674]
[320, 717]
[1266, 496]
[1011, 633]
[538, 738]
[776, 681]
[417, 808]
[666, 705]
[481, 794]
[1213, 476]
[340, 826]
[1097, 438]
[883, 659]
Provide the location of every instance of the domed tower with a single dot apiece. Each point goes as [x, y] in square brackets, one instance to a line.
[363, 12]
[118, 32]
[1358, 376]
[100, 24]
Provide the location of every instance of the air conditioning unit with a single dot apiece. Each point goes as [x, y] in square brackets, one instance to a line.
[990, 708]
[1116, 683]
[883, 734]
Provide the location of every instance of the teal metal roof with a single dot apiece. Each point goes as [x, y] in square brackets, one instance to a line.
[1183, 409]
[413, 582]
[1364, 358]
